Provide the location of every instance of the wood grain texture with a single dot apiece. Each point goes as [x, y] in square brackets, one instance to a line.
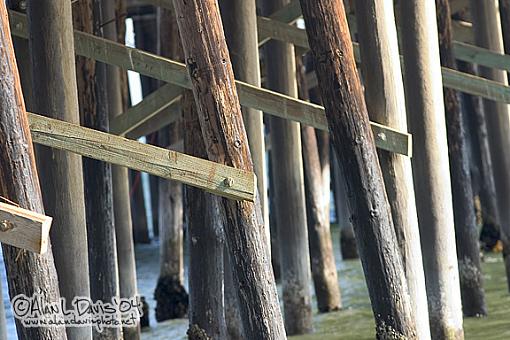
[27, 272]
[431, 172]
[488, 34]
[466, 230]
[24, 229]
[144, 111]
[164, 163]
[219, 112]
[342, 95]
[51, 45]
[289, 191]
[271, 102]
[384, 95]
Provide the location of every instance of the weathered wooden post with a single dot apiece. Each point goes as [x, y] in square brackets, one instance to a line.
[348, 247]
[104, 280]
[219, 112]
[384, 95]
[488, 34]
[138, 209]
[322, 259]
[466, 231]
[205, 240]
[425, 106]
[240, 23]
[331, 47]
[287, 170]
[51, 44]
[171, 296]
[120, 184]
[27, 272]
[482, 178]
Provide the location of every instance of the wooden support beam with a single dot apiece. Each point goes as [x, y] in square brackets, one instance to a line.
[158, 121]
[270, 102]
[24, 228]
[140, 113]
[212, 177]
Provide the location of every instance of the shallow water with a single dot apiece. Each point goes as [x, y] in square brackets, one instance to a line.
[355, 320]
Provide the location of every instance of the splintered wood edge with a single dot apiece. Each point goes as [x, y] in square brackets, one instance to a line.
[31, 230]
[215, 178]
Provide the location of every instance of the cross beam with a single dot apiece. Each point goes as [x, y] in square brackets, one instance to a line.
[24, 229]
[216, 178]
[174, 72]
[451, 78]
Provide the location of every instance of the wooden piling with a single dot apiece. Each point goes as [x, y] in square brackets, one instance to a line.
[27, 273]
[120, 184]
[331, 47]
[466, 231]
[384, 95]
[98, 180]
[240, 23]
[51, 44]
[425, 105]
[322, 259]
[287, 169]
[205, 241]
[219, 112]
[171, 296]
[488, 34]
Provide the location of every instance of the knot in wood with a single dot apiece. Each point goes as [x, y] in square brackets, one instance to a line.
[237, 143]
[193, 67]
[329, 55]
[6, 226]
[374, 213]
[229, 182]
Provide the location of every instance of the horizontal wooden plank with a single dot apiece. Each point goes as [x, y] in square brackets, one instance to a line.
[24, 229]
[481, 56]
[451, 78]
[151, 105]
[171, 71]
[158, 121]
[216, 178]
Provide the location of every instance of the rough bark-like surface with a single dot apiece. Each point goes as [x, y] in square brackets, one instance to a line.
[103, 272]
[205, 239]
[287, 170]
[120, 181]
[27, 273]
[154, 191]
[138, 212]
[322, 259]
[384, 95]
[348, 247]
[342, 94]
[425, 105]
[504, 8]
[275, 252]
[219, 112]
[488, 34]
[51, 44]
[240, 22]
[481, 162]
[171, 297]
[466, 231]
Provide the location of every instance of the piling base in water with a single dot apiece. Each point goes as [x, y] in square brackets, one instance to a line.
[348, 244]
[196, 333]
[144, 319]
[171, 299]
